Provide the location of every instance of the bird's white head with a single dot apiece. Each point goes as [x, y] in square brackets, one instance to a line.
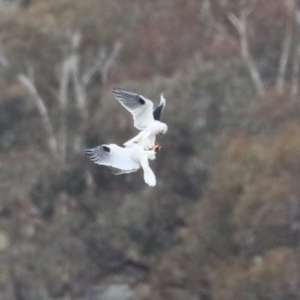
[164, 128]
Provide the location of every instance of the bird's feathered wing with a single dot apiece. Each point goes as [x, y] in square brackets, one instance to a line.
[140, 107]
[127, 160]
[114, 156]
[157, 111]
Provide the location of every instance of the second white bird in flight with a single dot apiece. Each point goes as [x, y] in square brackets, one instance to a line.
[145, 118]
[127, 160]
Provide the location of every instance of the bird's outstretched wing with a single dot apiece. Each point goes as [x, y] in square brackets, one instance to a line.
[157, 111]
[140, 107]
[114, 156]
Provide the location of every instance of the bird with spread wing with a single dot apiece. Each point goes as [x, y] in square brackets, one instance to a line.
[140, 149]
[146, 119]
[127, 160]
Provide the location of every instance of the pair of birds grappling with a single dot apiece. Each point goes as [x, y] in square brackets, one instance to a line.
[141, 148]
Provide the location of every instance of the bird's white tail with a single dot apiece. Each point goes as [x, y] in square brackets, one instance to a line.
[149, 176]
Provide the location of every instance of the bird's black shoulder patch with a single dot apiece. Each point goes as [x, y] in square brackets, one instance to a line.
[106, 149]
[142, 101]
[157, 112]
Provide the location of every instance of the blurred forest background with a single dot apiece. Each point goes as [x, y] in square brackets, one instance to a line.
[223, 222]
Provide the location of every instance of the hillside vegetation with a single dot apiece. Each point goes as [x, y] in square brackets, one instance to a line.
[222, 222]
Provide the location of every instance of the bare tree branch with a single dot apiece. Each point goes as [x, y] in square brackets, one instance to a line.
[286, 46]
[28, 83]
[70, 71]
[102, 64]
[88, 75]
[109, 60]
[63, 103]
[296, 61]
[81, 100]
[240, 23]
[80, 94]
[79, 91]
[295, 78]
[235, 21]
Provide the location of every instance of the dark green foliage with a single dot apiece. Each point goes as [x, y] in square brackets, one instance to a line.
[49, 186]
[42, 195]
[72, 181]
[11, 115]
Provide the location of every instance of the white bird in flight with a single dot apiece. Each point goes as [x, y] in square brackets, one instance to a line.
[145, 118]
[127, 160]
